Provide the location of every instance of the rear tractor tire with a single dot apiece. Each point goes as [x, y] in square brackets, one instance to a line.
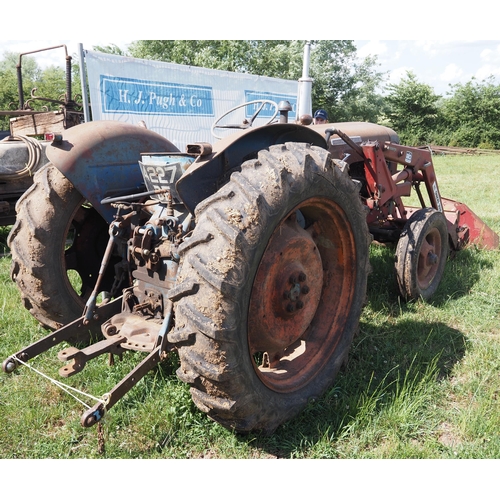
[56, 232]
[272, 286]
[421, 254]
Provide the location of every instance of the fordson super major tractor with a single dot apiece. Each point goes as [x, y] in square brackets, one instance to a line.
[248, 257]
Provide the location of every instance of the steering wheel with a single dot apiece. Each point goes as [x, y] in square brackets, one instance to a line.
[246, 123]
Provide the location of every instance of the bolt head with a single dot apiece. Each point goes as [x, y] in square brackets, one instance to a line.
[111, 330]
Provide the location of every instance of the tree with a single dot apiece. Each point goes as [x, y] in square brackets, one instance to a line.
[274, 58]
[412, 110]
[343, 86]
[9, 95]
[364, 102]
[472, 114]
[110, 49]
[51, 85]
[30, 68]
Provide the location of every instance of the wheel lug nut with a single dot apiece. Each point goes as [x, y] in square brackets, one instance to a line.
[286, 294]
[302, 277]
[299, 304]
[292, 280]
[305, 290]
[290, 308]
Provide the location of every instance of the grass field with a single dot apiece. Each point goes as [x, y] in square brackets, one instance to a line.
[422, 380]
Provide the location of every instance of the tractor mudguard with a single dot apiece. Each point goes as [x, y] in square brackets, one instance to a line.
[208, 173]
[101, 158]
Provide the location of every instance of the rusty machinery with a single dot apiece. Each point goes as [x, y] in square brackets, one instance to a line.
[154, 230]
[248, 257]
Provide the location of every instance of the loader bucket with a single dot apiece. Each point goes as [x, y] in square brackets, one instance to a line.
[471, 229]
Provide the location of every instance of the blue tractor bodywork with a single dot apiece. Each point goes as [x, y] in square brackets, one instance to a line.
[101, 159]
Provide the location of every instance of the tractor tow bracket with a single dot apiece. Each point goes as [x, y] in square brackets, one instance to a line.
[78, 357]
[77, 331]
[80, 330]
[112, 345]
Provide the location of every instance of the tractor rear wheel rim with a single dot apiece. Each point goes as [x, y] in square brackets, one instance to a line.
[301, 296]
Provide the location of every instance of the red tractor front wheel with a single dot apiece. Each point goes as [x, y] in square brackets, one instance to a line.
[421, 254]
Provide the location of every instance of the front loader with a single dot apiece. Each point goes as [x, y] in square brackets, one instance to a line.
[250, 257]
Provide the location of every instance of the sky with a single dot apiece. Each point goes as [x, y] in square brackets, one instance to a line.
[438, 63]
[441, 41]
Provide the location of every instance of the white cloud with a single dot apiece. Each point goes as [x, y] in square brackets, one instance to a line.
[451, 73]
[433, 48]
[488, 70]
[491, 66]
[427, 46]
[490, 55]
[486, 54]
[397, 74]
[372, 48]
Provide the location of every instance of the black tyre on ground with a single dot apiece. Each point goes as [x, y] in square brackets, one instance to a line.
[421, 254]
[55, 232]
[272, 286]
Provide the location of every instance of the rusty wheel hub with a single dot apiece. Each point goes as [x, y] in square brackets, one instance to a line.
[428, 259]
[302, 294]
[290, 276]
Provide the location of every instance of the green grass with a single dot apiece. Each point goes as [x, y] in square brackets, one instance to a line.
[421, 380]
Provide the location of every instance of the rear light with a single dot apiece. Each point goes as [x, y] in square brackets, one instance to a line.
[50, 136]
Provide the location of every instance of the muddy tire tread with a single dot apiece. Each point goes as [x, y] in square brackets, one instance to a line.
[36, 256]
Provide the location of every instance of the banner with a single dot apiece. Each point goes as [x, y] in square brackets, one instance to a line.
[179, 102]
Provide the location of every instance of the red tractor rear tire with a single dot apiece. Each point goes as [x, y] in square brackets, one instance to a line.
[272, 286]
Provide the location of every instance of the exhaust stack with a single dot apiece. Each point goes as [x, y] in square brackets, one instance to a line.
[304, 93]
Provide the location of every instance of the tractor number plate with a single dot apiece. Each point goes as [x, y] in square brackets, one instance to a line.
[161, 176]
